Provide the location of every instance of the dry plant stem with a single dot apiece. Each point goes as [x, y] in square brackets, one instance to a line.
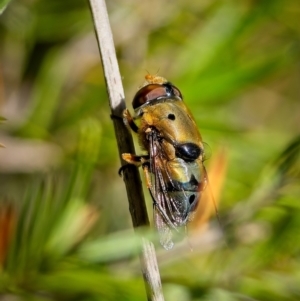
[131, 175]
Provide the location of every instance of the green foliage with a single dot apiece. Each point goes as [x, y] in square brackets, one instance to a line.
[65, 210]
[3, 5]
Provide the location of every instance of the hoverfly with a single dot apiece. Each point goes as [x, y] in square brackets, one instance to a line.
[173, 167]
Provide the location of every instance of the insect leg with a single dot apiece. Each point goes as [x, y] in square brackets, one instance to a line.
[129, 122]
[147, 175]
[113, 116]
[134, 159]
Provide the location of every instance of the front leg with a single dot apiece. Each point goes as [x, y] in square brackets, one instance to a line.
[129, 122]
[138, 161]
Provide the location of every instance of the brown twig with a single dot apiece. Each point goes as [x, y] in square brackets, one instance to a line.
[131, 175]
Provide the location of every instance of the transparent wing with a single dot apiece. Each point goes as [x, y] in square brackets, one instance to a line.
[164, 230]
[173, 200]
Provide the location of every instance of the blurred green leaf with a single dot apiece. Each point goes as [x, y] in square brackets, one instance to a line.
[115, 247]
[72, 226]
[87, 282]
[3, 5]
[45, 97]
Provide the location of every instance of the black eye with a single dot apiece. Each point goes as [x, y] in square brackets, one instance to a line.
[192, 199]
[171, 116]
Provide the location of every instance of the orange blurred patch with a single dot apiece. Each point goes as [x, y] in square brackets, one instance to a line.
[211, 196]
[7, 224]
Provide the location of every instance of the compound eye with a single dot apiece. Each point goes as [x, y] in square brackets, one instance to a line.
[177, 92]
[147, 94]
[172, 91]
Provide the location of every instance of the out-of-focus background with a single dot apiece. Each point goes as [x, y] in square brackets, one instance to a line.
[65, 228]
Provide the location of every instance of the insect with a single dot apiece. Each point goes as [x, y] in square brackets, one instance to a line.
[173, 166]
